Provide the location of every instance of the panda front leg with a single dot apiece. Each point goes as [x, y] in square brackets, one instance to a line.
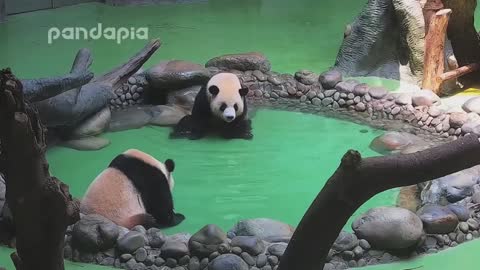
[189, 127]
[238, 130]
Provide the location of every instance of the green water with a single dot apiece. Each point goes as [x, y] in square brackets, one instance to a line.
[278, 173]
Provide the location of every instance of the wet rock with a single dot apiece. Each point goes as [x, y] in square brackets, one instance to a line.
[130, 242]
[263, 228]
[166, 115]
[458, 119]
[361, 89]
[86, 144]
[228, 262]
[404, 99]
[377, 92]
[424, 98]
[345, 241]
[329, 79]
[306, 77]
[94, 233]
[393, 141]
[175, 74]
[472, 105]
[277, 249]
[206, 241]
[156, 238]
[174, 249]
[94, 125]
[251, 244]
[242, 62]
[462, 212]
[437, 219]
[389, 228]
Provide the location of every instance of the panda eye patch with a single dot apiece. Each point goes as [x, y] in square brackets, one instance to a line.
[223, 107]
[235, 107]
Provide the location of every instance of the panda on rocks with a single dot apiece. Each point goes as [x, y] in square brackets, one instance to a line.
[135, 189]
[220, 107]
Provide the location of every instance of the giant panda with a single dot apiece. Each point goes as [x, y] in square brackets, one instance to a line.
[134, 190]
[220, 107]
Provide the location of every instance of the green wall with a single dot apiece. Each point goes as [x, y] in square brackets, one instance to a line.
[20, 6]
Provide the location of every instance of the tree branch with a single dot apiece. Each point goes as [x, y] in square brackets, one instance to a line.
[357, 180]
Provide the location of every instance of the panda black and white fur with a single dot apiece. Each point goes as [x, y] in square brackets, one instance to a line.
[135, 189]
[220, 107]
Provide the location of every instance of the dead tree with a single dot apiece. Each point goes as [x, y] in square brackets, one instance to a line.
[357, 180]
[41, 205]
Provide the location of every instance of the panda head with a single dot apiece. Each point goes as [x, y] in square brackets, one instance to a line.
[166, 168]
[226, 96]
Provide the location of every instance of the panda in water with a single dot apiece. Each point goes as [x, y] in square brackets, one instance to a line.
[135, 189]
[219, 107]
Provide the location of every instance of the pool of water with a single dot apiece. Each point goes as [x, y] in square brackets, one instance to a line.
[275, 175]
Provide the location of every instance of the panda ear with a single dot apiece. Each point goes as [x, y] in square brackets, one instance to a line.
[243, 91]
[213, 90]
[170, 165]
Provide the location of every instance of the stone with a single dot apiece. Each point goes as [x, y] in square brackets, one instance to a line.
[130, 118]
[329, 79]
[261, 260]
[206, 240]
[389, 227]
[93, 125]
[126, 257]
[130, 242]
[236, 250]
[277, 249]
[156, 238]
[204, 263]
[471, 127]
[306, 77]
[377, 92]
[327, 101]
[107, 261]
[166, 115]
[174, 75]
[194, 264]
[393, 141]
[345, 241]
[358, 251]
[364, 244]
[228, 262]
[434, 111]
[403, 99]
[437, 219]
[458, 119]
[329, 93]
[247, 258]
[251, 244]
[174, 249]
[242, 62]
[184, 97]
[141, 255]
[346, 86]
[361, 89]
[171, 262]
[94, 233]
[476, 197]
[463, 226]
[259, 75]
[263, 228]
[348, 255]
[473, 224]
[159, 261]
[86, 144]
[424, 98]
[462, 212]
[184, 260]
[360, 107]
[272, 260]
[472, 105]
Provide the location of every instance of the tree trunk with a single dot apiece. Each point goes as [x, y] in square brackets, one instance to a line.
[431, 7]
[41, 205]
[434, 63]
[465, 39]
[357, 180]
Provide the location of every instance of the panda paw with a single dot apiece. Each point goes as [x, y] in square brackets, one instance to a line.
[248, 136]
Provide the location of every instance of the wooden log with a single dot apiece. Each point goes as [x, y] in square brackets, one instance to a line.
[430, 8]
[41, 205]
[434, 64]
[453, 74]
[357, 180]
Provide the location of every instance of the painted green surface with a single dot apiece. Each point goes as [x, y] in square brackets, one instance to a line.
[258, 175]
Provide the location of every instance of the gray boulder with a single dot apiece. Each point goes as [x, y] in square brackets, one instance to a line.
[389, 228]
[424, 98]
[174, 75]
[263, 228]
[345, 241]
[472, 105]
[206, 241]
[393, 142]
[131, 118]
[166, 115]
[251, 244]
[184, 97]
[277, 249]
[94, 125]
[130, 242]
[86, 144]
[306, 77]
[228, 262]
[94, 233]
[242, 62]
[438, 219]
[462, 212]
[174, 249]
[330, 79]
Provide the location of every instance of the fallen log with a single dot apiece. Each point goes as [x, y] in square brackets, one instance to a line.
[357, 180]
[41, 205]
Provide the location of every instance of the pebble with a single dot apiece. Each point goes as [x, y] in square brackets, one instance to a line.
[247, 258]
[204, 263]
[261, 260]
[159, 261]
[364, 244]
[236, 250]
[473, 224]
[316, 101]
[463, 226]
[272, 260]
[327, 101]
[171, 262]
[329, 93]
[141, 255]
